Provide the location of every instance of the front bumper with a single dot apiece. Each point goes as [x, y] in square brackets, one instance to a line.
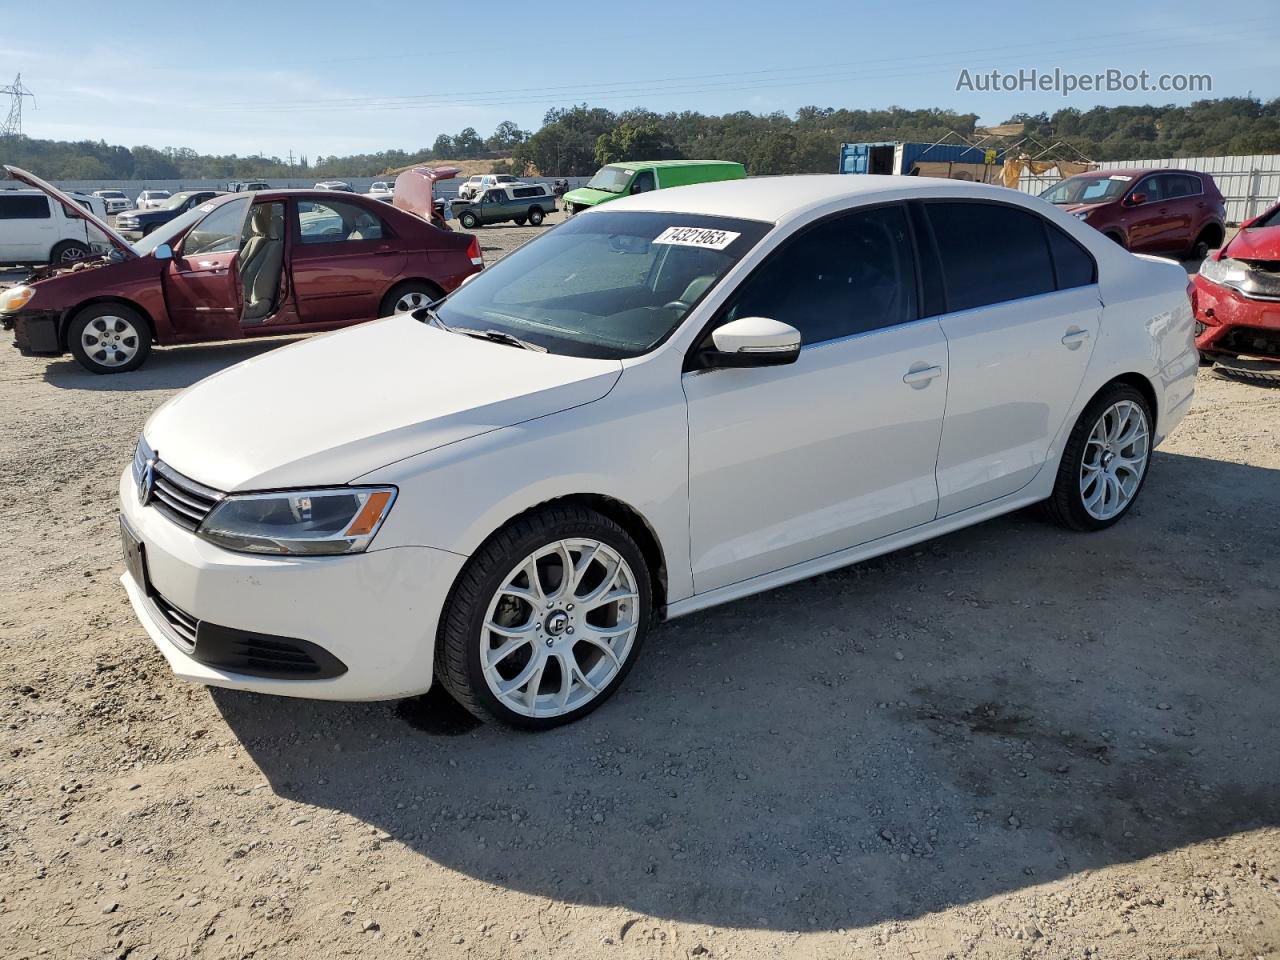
[34, 331]
[375, 612]
[1235, 324]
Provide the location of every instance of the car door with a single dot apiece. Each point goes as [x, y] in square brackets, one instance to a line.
[201, 284]
[494, 205]
[28, 230]
[1181, 192]
[1022, 316]
[1149, 222]
[789, 463]
[343, 258]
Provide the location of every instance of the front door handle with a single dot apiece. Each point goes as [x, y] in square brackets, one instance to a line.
[921, 376]
[1073, 338]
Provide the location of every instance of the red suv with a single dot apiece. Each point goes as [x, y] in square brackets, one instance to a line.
[1176, 212]
[239, 265]
[1237, 301]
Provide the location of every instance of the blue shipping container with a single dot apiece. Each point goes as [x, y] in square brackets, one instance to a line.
[899, 157]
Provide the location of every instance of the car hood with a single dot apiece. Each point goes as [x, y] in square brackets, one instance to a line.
[591, 196]
[1259, 243]
[31, 180]
[1086, 207]
[332, 408]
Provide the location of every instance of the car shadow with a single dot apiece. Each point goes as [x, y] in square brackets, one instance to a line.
[168, 368]
[998, 708]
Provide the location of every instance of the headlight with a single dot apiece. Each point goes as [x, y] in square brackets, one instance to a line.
[307, 523]
[1225, 271]
[15, 298]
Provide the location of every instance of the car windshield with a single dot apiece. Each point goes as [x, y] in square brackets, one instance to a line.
[606, 285]
[1088, 189]
[166, 232]
[111, 194]
[177, 200]
[610, 179]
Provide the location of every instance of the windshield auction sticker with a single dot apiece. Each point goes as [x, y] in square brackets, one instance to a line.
[697, 237]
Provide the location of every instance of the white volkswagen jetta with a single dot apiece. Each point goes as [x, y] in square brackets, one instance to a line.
[679, 399]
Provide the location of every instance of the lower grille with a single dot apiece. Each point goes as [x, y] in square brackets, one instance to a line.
[181, 624]
[1253, 341]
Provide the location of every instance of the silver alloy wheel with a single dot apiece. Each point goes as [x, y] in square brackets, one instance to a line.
[411, 301]
[71, 254]
[110, 341]
[1115, 458]
[559, 629]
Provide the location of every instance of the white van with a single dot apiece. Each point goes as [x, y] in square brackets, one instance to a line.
[35, 229]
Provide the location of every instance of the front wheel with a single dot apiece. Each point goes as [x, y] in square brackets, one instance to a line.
[546, 620]
[109, 338]
[520, 221]
[1104, 462]
[469, 220]
[535, 217]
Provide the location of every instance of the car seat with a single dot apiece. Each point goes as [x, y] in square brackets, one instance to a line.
[261, 259]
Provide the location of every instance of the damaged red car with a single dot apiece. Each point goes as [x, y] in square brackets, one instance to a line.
[240, 265]
[1236, 297]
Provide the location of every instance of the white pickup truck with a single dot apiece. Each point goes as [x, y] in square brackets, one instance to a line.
[35, 229]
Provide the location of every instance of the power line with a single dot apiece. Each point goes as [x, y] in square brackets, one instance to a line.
[16, 92]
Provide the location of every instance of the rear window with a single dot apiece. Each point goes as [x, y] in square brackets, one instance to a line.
[990, 253]
[24, 206]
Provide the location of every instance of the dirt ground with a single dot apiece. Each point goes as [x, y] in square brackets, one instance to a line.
[1010, 742]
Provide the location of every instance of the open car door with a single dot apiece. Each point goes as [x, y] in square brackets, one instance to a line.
[202, 286]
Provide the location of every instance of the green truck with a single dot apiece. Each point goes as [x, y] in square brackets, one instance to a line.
[520, 202]
[639, 176]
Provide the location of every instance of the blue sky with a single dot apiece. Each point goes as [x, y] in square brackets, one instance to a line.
[334, 78]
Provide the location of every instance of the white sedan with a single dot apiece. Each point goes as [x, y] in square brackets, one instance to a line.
[682, 398]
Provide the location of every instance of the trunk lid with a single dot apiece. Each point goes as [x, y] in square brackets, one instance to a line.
[415, 189]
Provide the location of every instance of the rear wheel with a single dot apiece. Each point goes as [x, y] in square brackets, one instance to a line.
[546, 619]
[468, 220]
[535, 217]
[409, 296]
[68, 251]
[1209, 239]
[1104, 462]
[109, 338]
[1116, 238]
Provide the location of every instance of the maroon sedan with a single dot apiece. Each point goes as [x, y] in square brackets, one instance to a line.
[1178, 212]
[1237, 302]
[240, 265]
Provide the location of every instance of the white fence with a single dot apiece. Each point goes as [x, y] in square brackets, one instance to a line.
[1249, 184]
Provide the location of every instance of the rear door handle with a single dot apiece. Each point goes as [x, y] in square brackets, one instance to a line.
[1073, 338]
[922, 375]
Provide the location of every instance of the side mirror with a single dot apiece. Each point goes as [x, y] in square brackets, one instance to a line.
[1137, 199]
[753, 342]
[163, 252]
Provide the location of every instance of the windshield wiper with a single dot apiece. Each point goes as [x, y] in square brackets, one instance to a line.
[501, 336]
[429, 314]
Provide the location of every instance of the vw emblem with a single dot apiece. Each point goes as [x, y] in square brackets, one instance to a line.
[557, 622]
[147, 482]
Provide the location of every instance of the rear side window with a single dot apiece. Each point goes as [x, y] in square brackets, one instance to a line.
[990, 253]
[528, 191]
[24, 207]
[845, 276]
[1074, 266]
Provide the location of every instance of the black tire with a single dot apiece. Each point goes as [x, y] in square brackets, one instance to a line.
[1066, 505]
[520, 221]
[148, 229]
[1261, 372]
[423, 287]
[68, 251]
[105, 360]
[535, 217]
[458, 640]
[468, 220]
[1117, 239]
[1209, 238]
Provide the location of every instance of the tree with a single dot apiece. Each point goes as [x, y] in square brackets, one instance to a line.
[629, 141]
[442, 149]
[506, 137]
[468, 143]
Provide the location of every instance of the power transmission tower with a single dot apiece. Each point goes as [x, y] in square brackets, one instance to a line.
[16, 91]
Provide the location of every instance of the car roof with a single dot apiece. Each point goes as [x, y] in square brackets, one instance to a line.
[775, 199]
[1133, 171]
[661, 164]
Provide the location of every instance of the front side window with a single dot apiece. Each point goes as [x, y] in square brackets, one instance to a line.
[332, 221]
[847, 275]
[610, 285]
[24, 206]
[644, 182]
[990, 253]
[219, 232]
[1150, 188]
[494, 196]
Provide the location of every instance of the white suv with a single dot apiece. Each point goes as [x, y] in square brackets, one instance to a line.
[476, 185]
[35, 229]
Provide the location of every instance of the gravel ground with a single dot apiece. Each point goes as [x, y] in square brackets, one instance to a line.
[1009, 742]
